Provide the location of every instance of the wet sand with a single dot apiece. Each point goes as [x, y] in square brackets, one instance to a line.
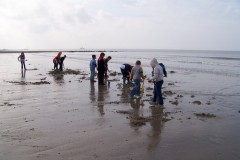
[51, 116]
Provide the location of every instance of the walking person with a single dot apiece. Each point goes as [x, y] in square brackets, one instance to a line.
[93, 66]
[61, 62]
[126, 70]
[101, 69]
[21, 59]
[158, 82]
[136, 76]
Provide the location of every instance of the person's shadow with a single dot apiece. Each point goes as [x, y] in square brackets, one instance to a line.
[156, 124]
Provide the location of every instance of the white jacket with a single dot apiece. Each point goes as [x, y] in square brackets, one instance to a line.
[157, 70]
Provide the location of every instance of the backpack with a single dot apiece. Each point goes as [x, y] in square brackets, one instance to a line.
[164, 69]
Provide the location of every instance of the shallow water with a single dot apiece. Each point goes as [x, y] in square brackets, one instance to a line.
[74, 119]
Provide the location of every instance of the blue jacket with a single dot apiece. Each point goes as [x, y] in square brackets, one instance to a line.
[93, 64]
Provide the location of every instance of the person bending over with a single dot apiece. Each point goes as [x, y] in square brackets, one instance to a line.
[126, 70]
[61, 62]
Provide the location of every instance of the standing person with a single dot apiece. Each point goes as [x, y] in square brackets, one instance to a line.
[61, 62]
[164, 69]
[158, 82]
[93, 66]
[101, 69]
[126, 70]
[21, 59]
[106, 65]
[56, 60]
[136, 75]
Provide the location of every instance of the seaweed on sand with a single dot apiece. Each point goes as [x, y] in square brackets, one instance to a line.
[205, 115]
[29, 83]
[67, 71]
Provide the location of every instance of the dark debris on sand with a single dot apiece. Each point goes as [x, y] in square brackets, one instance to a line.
[118, 102]
[29, 83]
[197, 102]
[39, 83]
[175, 102]
[34, 69]
[113, 80]
[67, 71]
[149, 88]
[114, 74]
[7, 104]
[205, 115]
[123, 112]
[140, 121]
[168, 93]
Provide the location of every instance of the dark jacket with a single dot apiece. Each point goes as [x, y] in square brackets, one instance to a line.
[100, 65]
[126, 71]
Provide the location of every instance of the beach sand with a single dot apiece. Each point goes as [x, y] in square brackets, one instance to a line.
[64, 116]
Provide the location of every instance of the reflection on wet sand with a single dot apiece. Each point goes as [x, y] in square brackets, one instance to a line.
[125, 92]
[23, 73]
[58, 78]
[102, 93]
[157, 124]
[135, 104]
[92, 95]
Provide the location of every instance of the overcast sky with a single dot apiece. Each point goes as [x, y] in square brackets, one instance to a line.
[136, 24]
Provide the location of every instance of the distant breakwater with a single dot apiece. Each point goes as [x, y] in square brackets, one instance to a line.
[42, 51]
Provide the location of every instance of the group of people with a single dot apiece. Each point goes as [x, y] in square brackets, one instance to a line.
[132, 74]
[58, 60]
[102, 68]
[136, 74]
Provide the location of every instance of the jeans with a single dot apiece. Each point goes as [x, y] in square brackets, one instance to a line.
[136, 89]
[100, 77]
[55, 66]
[61, 66]
[157, 92]
[92, 74]
[23, 64]
[126, 78]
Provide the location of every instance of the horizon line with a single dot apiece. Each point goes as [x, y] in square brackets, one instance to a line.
[106, 50]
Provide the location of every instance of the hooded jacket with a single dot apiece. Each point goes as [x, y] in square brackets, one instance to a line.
[157, 70]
